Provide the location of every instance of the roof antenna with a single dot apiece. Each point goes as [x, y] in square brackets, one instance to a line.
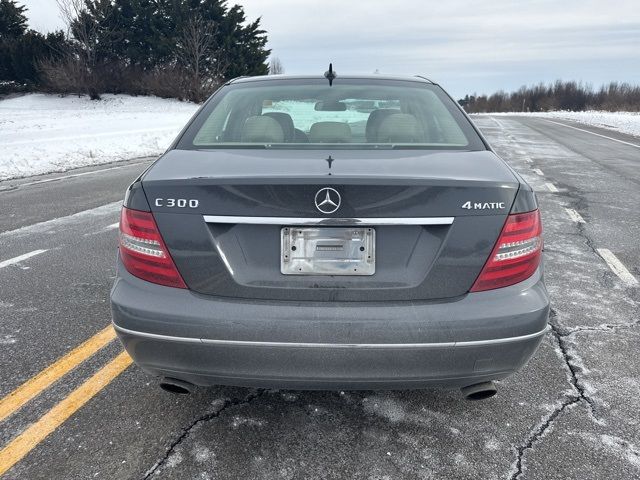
[330, 74]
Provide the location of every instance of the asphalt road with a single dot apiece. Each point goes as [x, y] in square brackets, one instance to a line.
[572, 413]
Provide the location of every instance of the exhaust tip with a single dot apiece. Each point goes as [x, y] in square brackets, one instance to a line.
[479, 391]
[178, 387]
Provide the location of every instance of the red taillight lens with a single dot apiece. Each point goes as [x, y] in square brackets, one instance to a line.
[143, 251]
[516, 254]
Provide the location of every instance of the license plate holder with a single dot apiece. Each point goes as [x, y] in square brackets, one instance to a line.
[327, 251]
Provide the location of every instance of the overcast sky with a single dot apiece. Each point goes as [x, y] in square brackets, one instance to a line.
[467, 46]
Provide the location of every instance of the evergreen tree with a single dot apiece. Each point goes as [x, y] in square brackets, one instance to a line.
[13, 21]
[148, 33]
[21, 49]
[25, 52]
[180, 48]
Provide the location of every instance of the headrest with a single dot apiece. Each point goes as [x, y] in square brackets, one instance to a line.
[330, 132]
[374, 121]
[285, 121]
[261, 129]
[399, 128]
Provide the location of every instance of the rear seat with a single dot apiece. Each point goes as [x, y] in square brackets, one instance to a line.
[291, 134]
[375, 120]
[261, 129]
[330, 132]
[285, 121]
[400, 128]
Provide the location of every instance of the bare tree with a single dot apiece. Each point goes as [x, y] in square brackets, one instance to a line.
[73, 14]
[85, 32]
[275, 66]
[205, 63]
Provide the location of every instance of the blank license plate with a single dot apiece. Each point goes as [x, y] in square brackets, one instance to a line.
[328, 251]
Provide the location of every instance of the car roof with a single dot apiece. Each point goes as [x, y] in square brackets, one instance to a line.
[374, 77]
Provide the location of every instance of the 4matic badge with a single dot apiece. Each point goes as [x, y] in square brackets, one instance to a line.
[483, 205]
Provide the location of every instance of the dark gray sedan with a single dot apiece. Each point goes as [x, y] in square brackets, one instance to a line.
[290, 238]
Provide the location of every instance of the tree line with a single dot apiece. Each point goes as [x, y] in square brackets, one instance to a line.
[170, 48]
[560, 95]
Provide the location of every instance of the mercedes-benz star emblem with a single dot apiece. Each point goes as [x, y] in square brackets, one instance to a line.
[328, 200]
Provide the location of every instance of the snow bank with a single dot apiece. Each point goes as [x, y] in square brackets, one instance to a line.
[45, 133]
[625, 122]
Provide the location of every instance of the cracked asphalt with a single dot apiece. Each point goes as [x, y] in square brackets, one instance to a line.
[571, 413]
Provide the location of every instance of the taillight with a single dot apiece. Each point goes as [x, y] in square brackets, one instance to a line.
[516, 255]
[143, 251]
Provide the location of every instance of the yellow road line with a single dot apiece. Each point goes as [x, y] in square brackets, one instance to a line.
[32, 436]
[35, 385]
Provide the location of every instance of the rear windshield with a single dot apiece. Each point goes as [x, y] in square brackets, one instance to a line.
[310, 114]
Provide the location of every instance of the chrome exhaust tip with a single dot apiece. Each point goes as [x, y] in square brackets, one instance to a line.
[179, 387]
[479, 391]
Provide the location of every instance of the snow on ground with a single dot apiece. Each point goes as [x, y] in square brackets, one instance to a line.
[304, 114]
[42, 133]
[46, 133]
[625, 122]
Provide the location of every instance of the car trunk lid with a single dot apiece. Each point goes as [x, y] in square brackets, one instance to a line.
[441, 212]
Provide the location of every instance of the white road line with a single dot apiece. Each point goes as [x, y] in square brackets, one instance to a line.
[617, 267]
[538, 171]
[574, 215]
[69, 220]
[20, 258]
[593, 133]
[64, 177]
[108, 228]
[497, 122]
[551, 187]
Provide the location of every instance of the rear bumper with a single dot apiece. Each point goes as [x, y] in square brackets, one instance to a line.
[207, 341]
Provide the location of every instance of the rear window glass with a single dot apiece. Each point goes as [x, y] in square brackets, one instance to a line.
[349, 114]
